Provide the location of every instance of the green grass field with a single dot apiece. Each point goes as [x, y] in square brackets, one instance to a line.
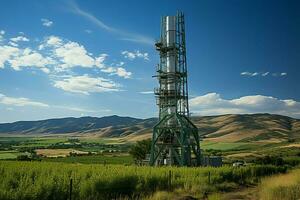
[17, 139]
[226, 146]
[51, 180]
[81, 143]
[9, 154]
[101, 140]
[95, 159]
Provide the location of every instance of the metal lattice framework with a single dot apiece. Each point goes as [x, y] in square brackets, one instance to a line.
[175, 138]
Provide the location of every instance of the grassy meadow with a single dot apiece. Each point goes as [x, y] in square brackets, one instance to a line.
[95, 159]
[102, 168]
[281, 187]
[4, 155]
[45, 180]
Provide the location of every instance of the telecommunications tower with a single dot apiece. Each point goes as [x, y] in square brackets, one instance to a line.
[175, 138]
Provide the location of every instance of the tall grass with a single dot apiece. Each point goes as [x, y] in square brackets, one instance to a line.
[281, 187]
[42, 180]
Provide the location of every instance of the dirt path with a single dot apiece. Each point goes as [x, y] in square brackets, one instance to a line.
[249, 193]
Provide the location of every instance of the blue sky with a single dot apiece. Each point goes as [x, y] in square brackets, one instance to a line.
[97, 58]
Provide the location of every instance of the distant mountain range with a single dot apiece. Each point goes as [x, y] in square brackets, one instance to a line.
[226, 128]
[66, 125]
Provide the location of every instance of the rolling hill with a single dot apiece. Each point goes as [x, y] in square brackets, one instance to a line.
[66, 125]
[225, 128]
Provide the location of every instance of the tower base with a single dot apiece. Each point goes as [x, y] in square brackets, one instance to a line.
[175, 142]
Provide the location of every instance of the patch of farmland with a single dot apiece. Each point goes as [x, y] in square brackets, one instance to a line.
[58, 152]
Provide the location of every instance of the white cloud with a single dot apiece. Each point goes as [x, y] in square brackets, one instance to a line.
[73, 54]
[54, 41]
[147, 92]
[86, 84]
[252, 74]
[213, 104]
[2, 32]
[12, 101]
[99, 61]
[6, 52]
[120, 71]
[21, 102]
[82, 110]
[109, 70]
[120, 64]
[58, 56]
[18, 58]
[133, 37]
[46, 22]
[51, 41]
[31, 60]
[265, 74]
[13, 44]
[279, 74]
[88, 31]
[135, 54]
[249, 73]
[20, 38]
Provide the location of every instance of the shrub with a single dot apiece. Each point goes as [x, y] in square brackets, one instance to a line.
[140, 150]
[23, 158]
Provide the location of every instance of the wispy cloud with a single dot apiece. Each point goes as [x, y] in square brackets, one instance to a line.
[46, 22]
[19, 38]
[120, 71]
[2, 32]
[20, 101]
[88, 31]
[82, 110]
[125, 35]
[147, 92]
[135, 54]
[249, 73]
[264, 74]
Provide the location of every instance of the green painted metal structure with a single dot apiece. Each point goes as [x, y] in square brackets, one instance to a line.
[175, 138]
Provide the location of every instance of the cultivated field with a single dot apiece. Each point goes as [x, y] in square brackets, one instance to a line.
[58, 152]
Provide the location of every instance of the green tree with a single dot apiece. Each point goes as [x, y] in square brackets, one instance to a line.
[23, 157]
[140, 149]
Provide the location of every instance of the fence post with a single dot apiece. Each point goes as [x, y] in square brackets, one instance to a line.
[209, 177]
[71, 185]
[170, 177]
[242, 181]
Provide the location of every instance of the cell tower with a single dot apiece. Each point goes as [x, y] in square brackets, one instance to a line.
[175, 138]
